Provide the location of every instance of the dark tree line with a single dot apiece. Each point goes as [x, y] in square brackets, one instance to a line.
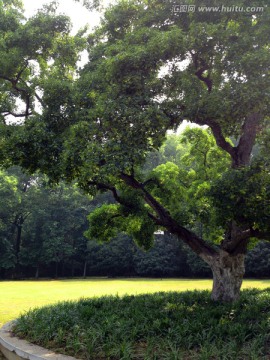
[40, 226]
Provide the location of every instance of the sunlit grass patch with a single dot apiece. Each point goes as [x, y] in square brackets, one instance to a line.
[19, 296]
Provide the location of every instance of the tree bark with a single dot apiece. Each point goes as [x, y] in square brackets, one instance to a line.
[56, 270]
[244, 148]
[72, 269]
[228, 271]
[84, 269]
[18, 248]
[37, 272]
[241, 154]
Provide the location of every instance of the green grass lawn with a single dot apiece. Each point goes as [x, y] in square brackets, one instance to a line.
[19, 296]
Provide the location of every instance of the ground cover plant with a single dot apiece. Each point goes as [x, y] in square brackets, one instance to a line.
[187, 325]
[20, 296]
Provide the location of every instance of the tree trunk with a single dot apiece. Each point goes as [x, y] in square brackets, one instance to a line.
[84, 269]
[228, 272]
[227, 263]
[16, 274]
[72, 268]
[37, 272]
[56, 270]
[63, 269]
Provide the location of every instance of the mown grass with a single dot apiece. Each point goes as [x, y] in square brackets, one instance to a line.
[165, 326]
[19, 296]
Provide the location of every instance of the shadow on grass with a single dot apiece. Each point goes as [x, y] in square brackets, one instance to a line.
[176, 325]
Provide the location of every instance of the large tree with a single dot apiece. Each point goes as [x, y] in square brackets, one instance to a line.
[151, 67]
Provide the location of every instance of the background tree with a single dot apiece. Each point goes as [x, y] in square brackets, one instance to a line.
[149, 69]
[55, 229]
[9, 200]
[165, 259]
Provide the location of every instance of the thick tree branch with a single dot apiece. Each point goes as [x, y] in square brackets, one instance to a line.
[261, 235]
[201, 66]
[101, 186]
[8, 113]
[22, 91]
[158, 208]
[206, 79]
[220, 139]
[40, 100]
[247, 140]
[241, 153]
[149, 181]
[36, 95]
[236, 240]
[21, 71]
[164, 219]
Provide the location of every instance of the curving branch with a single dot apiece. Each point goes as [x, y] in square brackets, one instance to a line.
[236, 239]
[250, 129]
[261, 235]
[220, 139]
[102, 186]
[201, 66]
[241, 153]
[163, 218]
[206, 79]
[8, 113]
[24, 92]
[40, 100]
